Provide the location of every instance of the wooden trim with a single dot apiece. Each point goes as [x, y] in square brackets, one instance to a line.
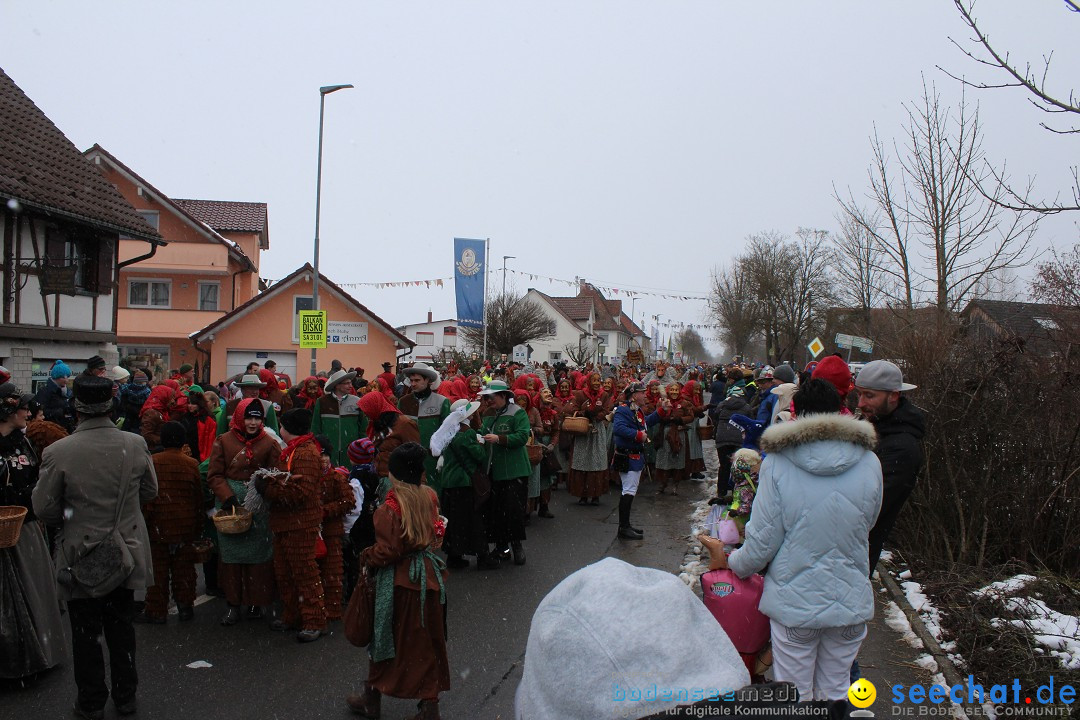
[18, 262]
[24, 332]
[9, 269]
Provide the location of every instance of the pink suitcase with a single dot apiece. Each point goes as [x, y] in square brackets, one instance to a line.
[734, 603]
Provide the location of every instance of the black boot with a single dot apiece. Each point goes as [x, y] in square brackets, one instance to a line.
[629, 507]
[519, 553]
[625, 531]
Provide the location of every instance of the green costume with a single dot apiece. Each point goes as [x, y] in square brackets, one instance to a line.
[509, 459]
[342, 422]
[461, 457]
[225, 417]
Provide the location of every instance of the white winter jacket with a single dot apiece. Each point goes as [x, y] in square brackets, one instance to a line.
[819, 493]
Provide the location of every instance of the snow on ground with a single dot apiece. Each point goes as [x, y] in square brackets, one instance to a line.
[929, 614]
[1006, 587]
[1058, 633]
[897, 621]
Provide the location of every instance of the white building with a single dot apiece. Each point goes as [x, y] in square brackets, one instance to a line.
[588, 321]
[432, 338]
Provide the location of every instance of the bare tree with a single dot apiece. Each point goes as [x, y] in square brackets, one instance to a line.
[511, 321]
[1030, 80]
[1057, 280]
[578, 354]
[734, 308]
[858, 267]
[692, 345]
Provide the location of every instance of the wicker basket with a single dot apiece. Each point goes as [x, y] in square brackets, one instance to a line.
[575, 424]
[11, 520]
[706, 431]
[536, 452]
[203, 549]
[235, 523]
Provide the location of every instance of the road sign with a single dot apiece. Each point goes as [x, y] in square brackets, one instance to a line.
[843, 341]
[312, 328]
[854, 341]
[816, 347]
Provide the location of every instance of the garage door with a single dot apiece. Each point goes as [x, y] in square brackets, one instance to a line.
[237, 360]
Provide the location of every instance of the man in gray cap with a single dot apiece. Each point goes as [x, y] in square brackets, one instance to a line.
[900, 426]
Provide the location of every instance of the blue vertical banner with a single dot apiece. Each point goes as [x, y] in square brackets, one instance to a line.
[469, 272]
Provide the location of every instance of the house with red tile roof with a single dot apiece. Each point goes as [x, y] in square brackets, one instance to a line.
[209, 268]
[587, 323]
[62, 226]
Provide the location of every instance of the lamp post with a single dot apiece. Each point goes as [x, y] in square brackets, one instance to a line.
[323, 92]
[505, 258]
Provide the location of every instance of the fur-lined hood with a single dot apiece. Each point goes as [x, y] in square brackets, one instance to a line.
[825, 444]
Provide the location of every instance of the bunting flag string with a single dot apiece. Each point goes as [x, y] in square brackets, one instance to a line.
[672, 295]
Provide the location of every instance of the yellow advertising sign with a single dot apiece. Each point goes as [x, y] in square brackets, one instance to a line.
[312, 328]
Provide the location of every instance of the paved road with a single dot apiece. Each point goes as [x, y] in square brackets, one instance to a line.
[261, 675]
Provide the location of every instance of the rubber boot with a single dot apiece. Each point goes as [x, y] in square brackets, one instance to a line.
[630, 507]
[368, 704]
[625, 531]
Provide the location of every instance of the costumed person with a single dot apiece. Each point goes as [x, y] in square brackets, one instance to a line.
[249, 387]
[589, 462]
[307, 394]
[295, 518]
[388, 378]
[653, 399]
[40, 432]
[563, 402]
[462, 456]
[337, 500]
[359, 523]
[174, 519]
[695, 455]
[474, 385]
[245, 570]
[199, 424]
[407, 653]
[675, 418]
[428, 409]
[630, 429]
[272, 391]
[506, 431]
[523, 400]
[155, 412]
[548, 436]
[35, 640]
[392, 430]
[337, 415]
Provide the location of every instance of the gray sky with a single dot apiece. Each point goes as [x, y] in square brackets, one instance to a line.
[635, 144]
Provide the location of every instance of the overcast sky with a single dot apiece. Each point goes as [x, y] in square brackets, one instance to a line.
[635, 144]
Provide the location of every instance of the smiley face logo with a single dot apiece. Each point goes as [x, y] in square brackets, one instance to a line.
[862, 693]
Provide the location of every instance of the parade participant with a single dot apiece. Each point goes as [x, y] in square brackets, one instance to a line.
[474, 385]
[249, 386]
[631, 434]
[40, 432]
[35, 641]
[653, 399]
[174, 519]
[185, 375]
[374, 405]
[461, 457]
[92, 502]
[199, 424]
[386, 390]
[506, 430]
[548, 436]
[524, 400]
[388, 378]
[563, 402]
[695, 456]
[337, 415]
[358, 524]
[271, 392]
[427, 408]
[245, 569]
[408, 648]
[155, 412]
[54, 398]
[818, 495]
[589, 462]
[307, 394]
[900, 427]
[337, 500]
[295, 517]
[671, 455]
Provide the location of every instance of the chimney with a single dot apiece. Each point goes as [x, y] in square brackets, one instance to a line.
[429, 316]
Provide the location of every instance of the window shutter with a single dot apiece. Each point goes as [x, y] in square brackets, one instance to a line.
[104, 266]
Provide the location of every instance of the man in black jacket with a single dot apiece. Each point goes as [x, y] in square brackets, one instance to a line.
[900, 426]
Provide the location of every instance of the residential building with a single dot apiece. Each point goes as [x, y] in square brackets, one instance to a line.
[62, 228]
[265, 328]
[209, 268]
[1049, 330]
[588, 325]
[432, 338]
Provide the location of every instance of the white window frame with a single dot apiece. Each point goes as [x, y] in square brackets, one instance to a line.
[296, 317]
[149, 293]
[207, 283]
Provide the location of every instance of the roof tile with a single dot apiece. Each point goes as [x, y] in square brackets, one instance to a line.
[227, 215]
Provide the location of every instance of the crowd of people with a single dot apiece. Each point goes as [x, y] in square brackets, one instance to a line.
[287, 492]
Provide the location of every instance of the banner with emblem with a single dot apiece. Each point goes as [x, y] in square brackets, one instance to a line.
[469, 271]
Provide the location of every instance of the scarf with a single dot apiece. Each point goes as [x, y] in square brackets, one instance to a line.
[305, 398]
[290, 447]
[265, 376]
[237, 428]
[161, 398]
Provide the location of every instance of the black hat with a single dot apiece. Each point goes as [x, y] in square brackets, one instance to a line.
[386, 366]
[297, 421]
[173, 435]
[407, 463]
[93, 395]
[11, 399]
[95, 363]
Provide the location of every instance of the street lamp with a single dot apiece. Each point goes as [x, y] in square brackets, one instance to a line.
[505, 258]
[323, 92]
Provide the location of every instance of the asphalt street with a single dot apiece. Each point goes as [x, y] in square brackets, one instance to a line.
[256, 674]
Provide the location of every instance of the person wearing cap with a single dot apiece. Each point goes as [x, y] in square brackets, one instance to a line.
[631, 428]
[780, 375]
[81, 498]
[461, 457]
[132, 396]
[763, 382]
[55, 399]
[249, 385]
[427, 408]
[185, 375]
[174, 519]
[506, 430]
[296, 513]
[387, 376]
[337, 501]
[96, 366]
[34, 641]
[900, 426]
[246, 561]
[337, 415]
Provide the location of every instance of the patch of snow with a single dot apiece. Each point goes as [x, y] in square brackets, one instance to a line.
[897, 620]
[929, 614]
[199, 664]
[1058, 633]
[1006, 587]
[905, 575]
[886, 556]
[927, 662]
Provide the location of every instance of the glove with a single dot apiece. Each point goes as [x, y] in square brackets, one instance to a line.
[260, 484]
[229, 504]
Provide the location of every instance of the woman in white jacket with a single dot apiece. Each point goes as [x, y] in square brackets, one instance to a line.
[819, 493]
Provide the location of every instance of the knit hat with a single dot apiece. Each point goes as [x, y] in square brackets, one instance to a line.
[117, 374]
[361, 451]
[751, 428]
[95, 363]
[140, 377]
[186, 368]
[836, 371]
[583, 661]
[296, 421]
[172, 435]
[11, 399]
[93, 395]
[406, 463]
[784, 373]
[59, 370]
[255, 410]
